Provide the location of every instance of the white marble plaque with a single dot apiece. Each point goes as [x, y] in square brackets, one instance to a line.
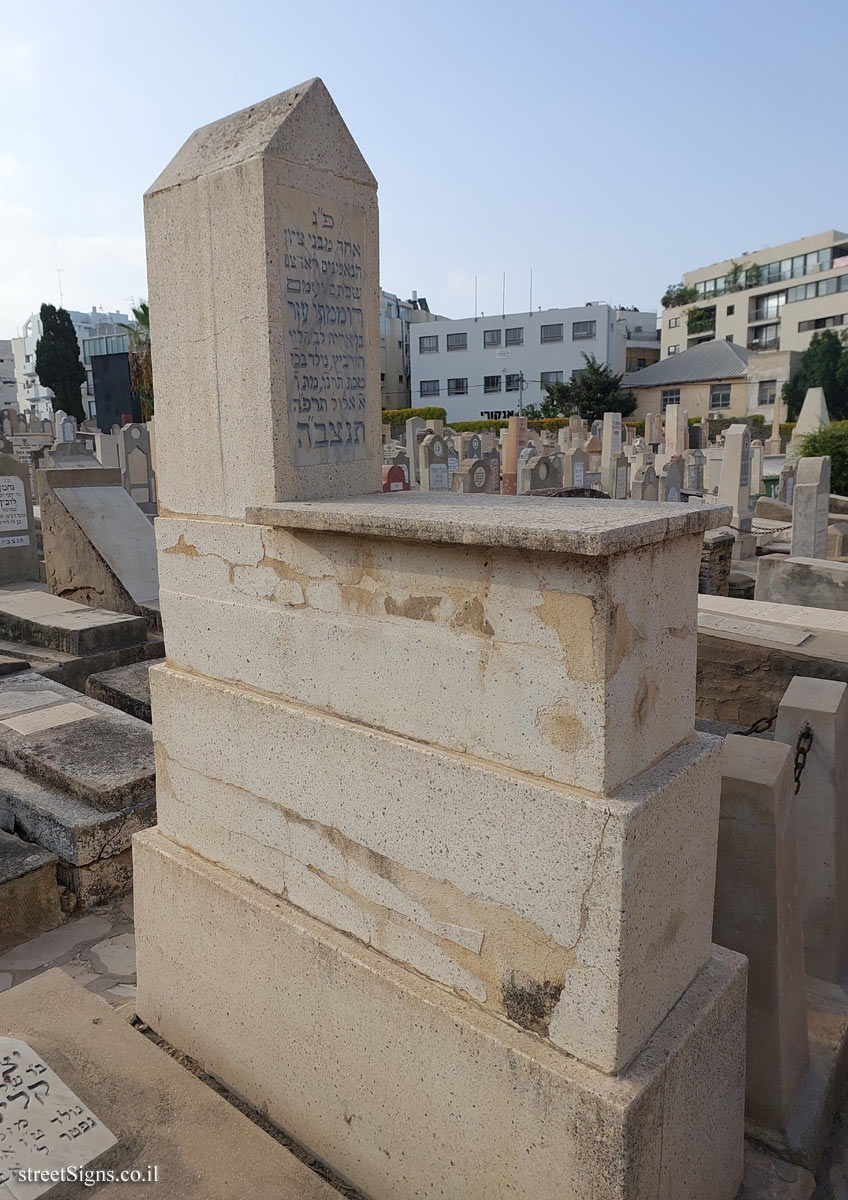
[578, 475]
[44, 1126]
[754, 629]
[322, 283]
[13, 509]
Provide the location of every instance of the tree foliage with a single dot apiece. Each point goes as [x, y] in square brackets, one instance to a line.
[141, 364]
[677, 294]
[823, 364]
[57, 361]
[831, 441]
[589, 393]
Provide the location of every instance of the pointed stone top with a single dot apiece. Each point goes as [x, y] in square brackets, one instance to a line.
[301, 125]
[813, 414]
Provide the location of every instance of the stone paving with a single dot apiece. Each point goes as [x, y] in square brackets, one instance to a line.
[96, 948]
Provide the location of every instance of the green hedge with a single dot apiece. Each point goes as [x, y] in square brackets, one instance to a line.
[478, 426]
[832, 442]
[399, 416]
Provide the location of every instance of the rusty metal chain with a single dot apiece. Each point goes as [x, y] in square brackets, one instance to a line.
[761, 726]
[802, 749]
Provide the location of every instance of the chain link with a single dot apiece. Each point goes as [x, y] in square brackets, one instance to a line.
[761, 726]
[802, 749]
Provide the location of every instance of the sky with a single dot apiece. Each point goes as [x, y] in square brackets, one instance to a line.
[607, 147]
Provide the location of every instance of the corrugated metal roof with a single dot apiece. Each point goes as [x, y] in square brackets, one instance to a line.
[709, 360]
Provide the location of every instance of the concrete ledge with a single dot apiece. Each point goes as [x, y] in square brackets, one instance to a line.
[29, 892]
[409, 1091]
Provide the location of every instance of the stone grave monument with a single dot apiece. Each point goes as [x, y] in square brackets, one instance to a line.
[18, 557]
[458, 944]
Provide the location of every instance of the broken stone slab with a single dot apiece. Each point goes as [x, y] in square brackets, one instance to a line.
[95, 753]
[476, 1109]
[67, 826]
[31, 614]
[127, 688]
[29, 894]
[204, 1148]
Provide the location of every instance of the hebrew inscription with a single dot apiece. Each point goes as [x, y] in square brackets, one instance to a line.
[44, 1126]
[14, 530]
[323, 286]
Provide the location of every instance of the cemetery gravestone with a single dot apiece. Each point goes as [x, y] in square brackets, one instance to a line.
[475, 475]
[433, 464]
[611, 447]
[576, 467]
[734, 485]
[539, 472]
[693, 472]
[304, 266]
[394, 479]
[645, 485]
[620, 477]
[786, 487]
[414, 427]
[671, 481]
[810, 505]
[18, 560]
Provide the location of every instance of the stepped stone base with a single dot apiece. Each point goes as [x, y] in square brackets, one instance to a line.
[29, 893]
[407, 1090]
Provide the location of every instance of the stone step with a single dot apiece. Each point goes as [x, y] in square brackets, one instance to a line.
[29, 893]
[29, 613]
[126, 688]
[71, 742]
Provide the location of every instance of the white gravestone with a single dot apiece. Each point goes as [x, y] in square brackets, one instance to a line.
[810, 505]
[45, 1127]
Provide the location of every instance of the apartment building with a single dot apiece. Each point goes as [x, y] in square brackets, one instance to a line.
[771, 299]
[38, 400]
[396, 316]
[489, 367]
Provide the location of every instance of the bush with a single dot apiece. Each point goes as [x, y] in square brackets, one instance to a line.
[479, 426]
[399, 416]
[832, 441]
[786, 429]
[638, 427]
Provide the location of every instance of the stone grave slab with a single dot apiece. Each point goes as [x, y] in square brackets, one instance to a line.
[127, 688]
[31, 614]
[88, 749]
[29, 894]
[204, 1148]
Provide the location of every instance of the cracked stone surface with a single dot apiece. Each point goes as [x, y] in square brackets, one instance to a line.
[97, 949]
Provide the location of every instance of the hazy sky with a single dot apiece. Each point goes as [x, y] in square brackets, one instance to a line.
[607, 146]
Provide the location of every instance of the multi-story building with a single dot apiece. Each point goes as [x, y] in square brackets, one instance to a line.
[38, 400]
[480, 367]
[772, 299]
[396, 316]
[8, 390]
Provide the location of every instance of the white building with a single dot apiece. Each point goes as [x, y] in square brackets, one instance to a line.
[38, 400]
[481, 367]
[8, 391]
[396, 316]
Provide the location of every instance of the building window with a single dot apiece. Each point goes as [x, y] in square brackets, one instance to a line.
[821, 323]
[581, 329]
[458, 387]
[669, 396]
[491, 337]
[720, 395]
[551, 333]
[673, 350]
[457, 341]
[764, 337]
[491, 383]
[550, 377]
[429, 387]
[767, 391]
[513, 383]
[428, 344]
[674, 322]
[731, 309]
[515, 337]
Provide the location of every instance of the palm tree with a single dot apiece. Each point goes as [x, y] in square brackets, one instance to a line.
[141, 366]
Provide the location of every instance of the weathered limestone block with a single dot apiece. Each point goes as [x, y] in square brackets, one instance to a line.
[533, 900]
[822, 807]
[276, 301]
[816, 582]
[758, 913]
[412, 1091]
[562, 647]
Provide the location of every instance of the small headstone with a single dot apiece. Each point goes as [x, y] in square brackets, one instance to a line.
[786, 486]
[619, 487]
[576, 468]
[671, 481]
[394, 479]
[475, 475]
[645, 485]
[539, 472]
[137, 465]
[694, 462]
[433, 464]
[18, 559]
[756, 468]
[470, 446]
[810, 505]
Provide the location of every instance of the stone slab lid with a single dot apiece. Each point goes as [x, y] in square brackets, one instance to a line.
[158, 1110]
[301, 125]
[69, 741]
[31, 614]
[564, 526]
